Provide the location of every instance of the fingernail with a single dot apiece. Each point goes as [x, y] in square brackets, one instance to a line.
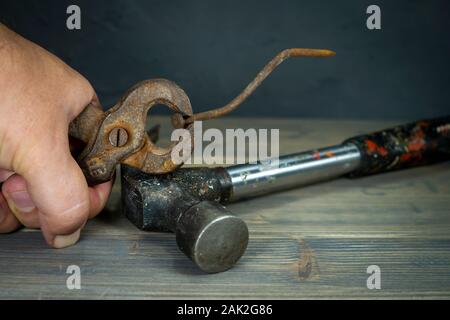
[66, 241]
[22, 201]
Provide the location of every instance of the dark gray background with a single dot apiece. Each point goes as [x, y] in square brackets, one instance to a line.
[212, 49]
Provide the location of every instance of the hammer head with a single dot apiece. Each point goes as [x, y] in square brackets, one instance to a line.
[187, 202]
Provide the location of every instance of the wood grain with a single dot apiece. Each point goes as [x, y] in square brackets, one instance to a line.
[312, 242]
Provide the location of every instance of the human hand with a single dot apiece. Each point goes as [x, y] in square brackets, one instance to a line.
[43, 186]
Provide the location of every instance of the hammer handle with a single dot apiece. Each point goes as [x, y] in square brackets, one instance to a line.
[418, 143]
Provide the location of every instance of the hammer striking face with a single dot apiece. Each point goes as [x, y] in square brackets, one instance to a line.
[187, 202]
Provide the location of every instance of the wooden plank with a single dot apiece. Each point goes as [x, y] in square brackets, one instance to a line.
[315, 241]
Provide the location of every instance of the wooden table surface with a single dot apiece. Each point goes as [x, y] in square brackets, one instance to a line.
[311, 242]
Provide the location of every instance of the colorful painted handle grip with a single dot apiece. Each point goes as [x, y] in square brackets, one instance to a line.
[419, 143]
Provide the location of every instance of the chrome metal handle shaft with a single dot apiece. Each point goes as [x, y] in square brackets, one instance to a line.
[250, 180]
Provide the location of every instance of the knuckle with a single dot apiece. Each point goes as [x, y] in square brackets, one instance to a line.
[80, 95]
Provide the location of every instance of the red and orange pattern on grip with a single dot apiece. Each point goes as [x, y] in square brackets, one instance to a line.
[414, 144]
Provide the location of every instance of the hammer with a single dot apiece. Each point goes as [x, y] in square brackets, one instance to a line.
[189, 201]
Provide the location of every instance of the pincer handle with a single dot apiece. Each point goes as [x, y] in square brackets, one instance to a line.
[414, 144]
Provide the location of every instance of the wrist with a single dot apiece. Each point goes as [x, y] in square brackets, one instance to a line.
[5, 39]
[6, 55]
[3, 33]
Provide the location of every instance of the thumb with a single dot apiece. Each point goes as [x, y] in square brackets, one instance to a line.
[58, 190]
